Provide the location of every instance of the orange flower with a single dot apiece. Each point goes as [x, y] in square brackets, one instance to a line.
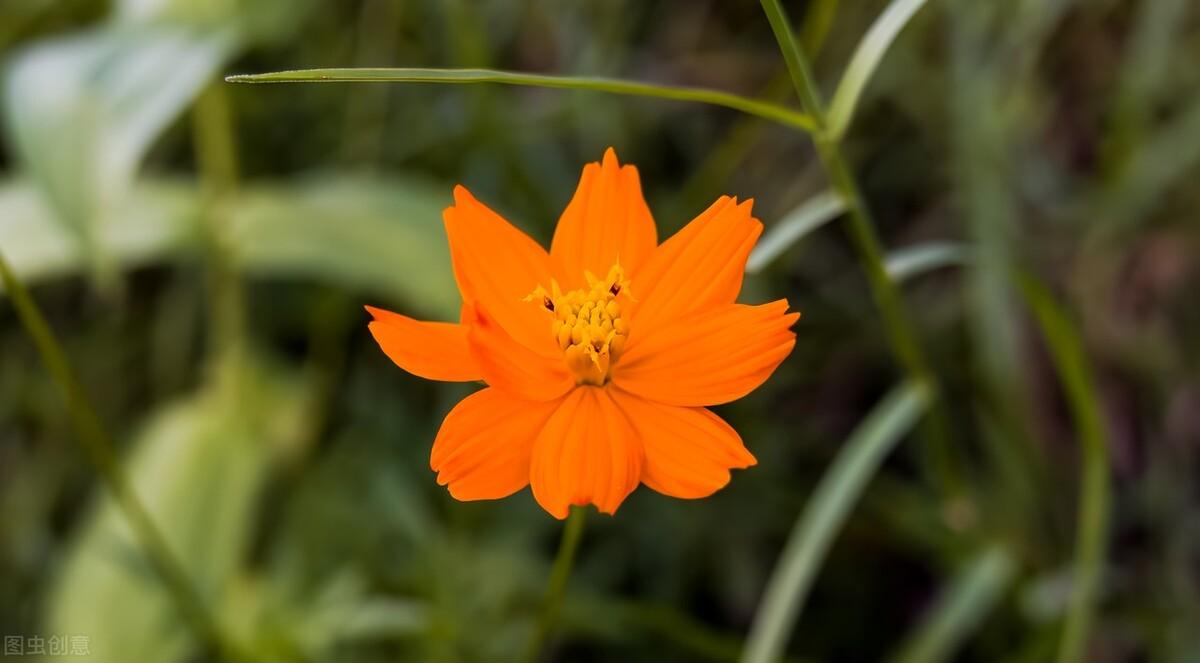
[600, 356]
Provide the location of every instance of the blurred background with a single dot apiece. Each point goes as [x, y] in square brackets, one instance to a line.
[204, 250]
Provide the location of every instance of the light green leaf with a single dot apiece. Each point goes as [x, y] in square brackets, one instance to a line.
[832, 500]
[381, 235]
[768, 110]
[903, 264]
[376, 234]
[864, 61]
[814, 213]
[258, 21]
[81, 111]
[156, 219]
[972, 593]
[199, 466]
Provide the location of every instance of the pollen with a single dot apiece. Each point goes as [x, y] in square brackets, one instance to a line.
[586, 323]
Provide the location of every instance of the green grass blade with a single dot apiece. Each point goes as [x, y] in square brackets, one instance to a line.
[764, 109]
[1070, 360]
[813, 214]
[971, 595]
[904, 264]
[831, 503]
[864, 61]
[93, 437]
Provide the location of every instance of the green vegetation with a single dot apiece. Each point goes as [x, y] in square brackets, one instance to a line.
[983, 448]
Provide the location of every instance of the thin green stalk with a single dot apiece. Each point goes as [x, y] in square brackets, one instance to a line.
[216, 162]
[866, 242]
[823, 516]
[1091, 537]
[564, 561]
[99, 448]
[764, 109]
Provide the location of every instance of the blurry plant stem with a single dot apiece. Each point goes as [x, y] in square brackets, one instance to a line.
[1091, 536]
[938, 457]
[216, 161]
[564, 561]
[99, 447]
[818, 19]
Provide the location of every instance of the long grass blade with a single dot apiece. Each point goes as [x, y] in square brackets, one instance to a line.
[1091, 536]
[99, 447]
[822, 518]
[764, 109]
[864, 61]
[813, 214]
[972, 593]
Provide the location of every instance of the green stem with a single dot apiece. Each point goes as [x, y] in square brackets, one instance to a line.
[770, 111]
[216, 161]
[861, 229]
[1070, 360]
[99, 448]
[564, 561]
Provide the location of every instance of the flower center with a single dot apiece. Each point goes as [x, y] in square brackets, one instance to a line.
[587, 323]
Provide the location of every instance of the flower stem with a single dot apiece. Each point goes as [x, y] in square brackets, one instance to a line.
[99, 447]
[564, 561]
[939, 457]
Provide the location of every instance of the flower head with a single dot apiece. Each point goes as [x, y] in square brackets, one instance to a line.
[601, 356]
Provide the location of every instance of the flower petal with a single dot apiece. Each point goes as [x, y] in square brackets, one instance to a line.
[699, 267]
[710, 357]
[689, 450]
[483, 448]
[607, 220]
[512, 366]
[496, 266]
[587, 453]
[432, 350]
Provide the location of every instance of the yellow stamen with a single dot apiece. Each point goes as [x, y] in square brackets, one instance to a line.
[587, 323]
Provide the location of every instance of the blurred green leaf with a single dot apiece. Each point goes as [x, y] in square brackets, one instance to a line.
[199, 465]
[81, 111]
[377, 234]
[284, 623]
[382, 235]
[903, 264]
[972, 593]
[813, 214]
[831, 503]
[261, 20]
[866, 58]
[156, 219]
